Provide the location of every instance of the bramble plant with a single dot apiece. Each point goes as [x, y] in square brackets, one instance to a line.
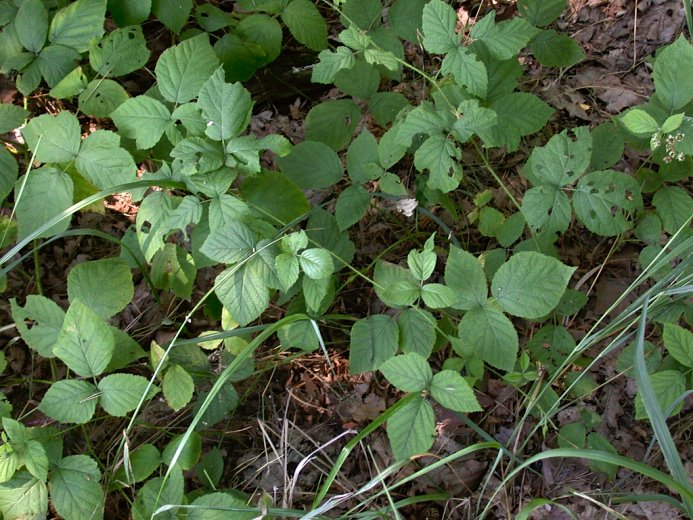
[237, 205]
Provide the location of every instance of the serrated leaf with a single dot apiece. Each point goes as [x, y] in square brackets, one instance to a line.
[277, 195]
[54, 190]
[85, 343]
[23, 497]
[182, 70]
[351, 206]
[11, 117]
[421, 264]
[77, 24]
[465, 275]
[679, 343]
[551, 345]
[491, 335]
[530, 285]
[541, 12]
[505, 39]
[637, 121]
[332, 122]
[395, 285]
[389, 150]
[312, 164]
[604, 199]
[441, 158]
[177, 387]
[474, 119]
[607, 146]
[316, 263]
[121, 393]
[417, 331]
[306, 24]
[547, 209]
[76, 489]
[437, 296]
[173, 13]
[322, 231]
[142, 118]
[562, 160]
[411, 429]
[668, 386]
[453, 392]
[101, 97]
[70, 401]
[408, 372]
[188, 456]
[157, 492]
[438, 24]
[670, 74]
[331, 62]
[230, 244]
[31, 23]
[120, 52]
[288, 269]
[55, 62]
[263, 31]
[36, 460]
[103, 162]
[406, 18]
[385, 106]
[105, 285]
[47, 321]
[129, 12]
[243, 292]
[142, 462]
[10, 460]
[363, 159]
[217, 506]
[226, 106]
[53, 138]
[373, 340]
[556, 50]
[423, 119]
[674, 207]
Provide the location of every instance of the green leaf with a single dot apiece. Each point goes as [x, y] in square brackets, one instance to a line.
[604, 199]
[674, 207]
[385, 106]
[465, 275]
[243, 292]
[530, 285]
[364, 14]
[104, 285]
[53, 189]
[351, 206]
[438, 24]
[23, 497]
[668, 386]
[551, 345]
[126, 351]
[453, 392]
[182, 70]
[670, 74]
[227, 107]
[437, 296]
[103, 162]
[10, 460]
[679, 343]
[607, 146]
[491, 335]
[142, 462]
[541, 12]
[322, 231]
[306, 24]
[572, 435]
[474, 119]
[142, 118]
[46, 320]
[288, 269]
[121, 393]
[672, 123]
[53, 138]
[317, 294]
[274, 193]
[177, 386]
[362, 158]
[522, 114]
[316, 263]
[195, 155]
[70, 401]
[312, 165]
[441, 158]
[561, 161]
[76, 489]
[406, 18]
[211, 18]
[395, 285]
[129, 12]
[547, 209]
[373, 341]
[389, 150]
[219, 506]
[230, 244]
[596, 441]
[173, 268]
[556, 50]
[101, 97]
[424, 119]
[31, 23]
[77, 24]
[408, 372]
[490, 221]
[639, 122]
[11, 117]
[36, 460]
[417, 332]
[263, 31]
[505, 39]
[156, 493]
[85, 343]
[120, 52]
[173, 14]
[421, 263]
[411, 429]
[331, 62]
[55, 62]
[332, 122]
[189, 455]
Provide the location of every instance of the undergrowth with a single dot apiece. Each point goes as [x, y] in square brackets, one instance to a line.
[484, 296]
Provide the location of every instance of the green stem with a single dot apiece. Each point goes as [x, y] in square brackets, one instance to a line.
[37, 269]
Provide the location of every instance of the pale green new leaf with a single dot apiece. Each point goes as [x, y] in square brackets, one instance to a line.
[76, 488]
[104, 285]
[173, 13]
[70, 401]
[47, 193]
[639, 122]
[178, 387]
[453, 392]
[230, 244]
[31, 23]
[103, 162]
[85, 343]
[437, 295]
[46, 320]
[674, 207]
[351, 206]
[373, 341]
[243, 292]
[671, 74]
[465, 275]
[11, 117]
[101, 97]
[23, 497]
[226, 106]
[438, 25]
[530, 284]
[491, 335]
[411, 429]
[421, 263]
[668, 386]
[120, 52]
[77, 24]
[331, 62]
[441, 158]
[182, 70]
[195, 155]
[604, 199]
[121, 393]
[10, 460]
[417, 331]
[226, 209]
[142, 118]
[54, 139]
[408, 372]
[316, 263]
[679, 343]
[306, 24]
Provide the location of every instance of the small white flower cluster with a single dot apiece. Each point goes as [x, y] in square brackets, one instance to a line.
[671, 140]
